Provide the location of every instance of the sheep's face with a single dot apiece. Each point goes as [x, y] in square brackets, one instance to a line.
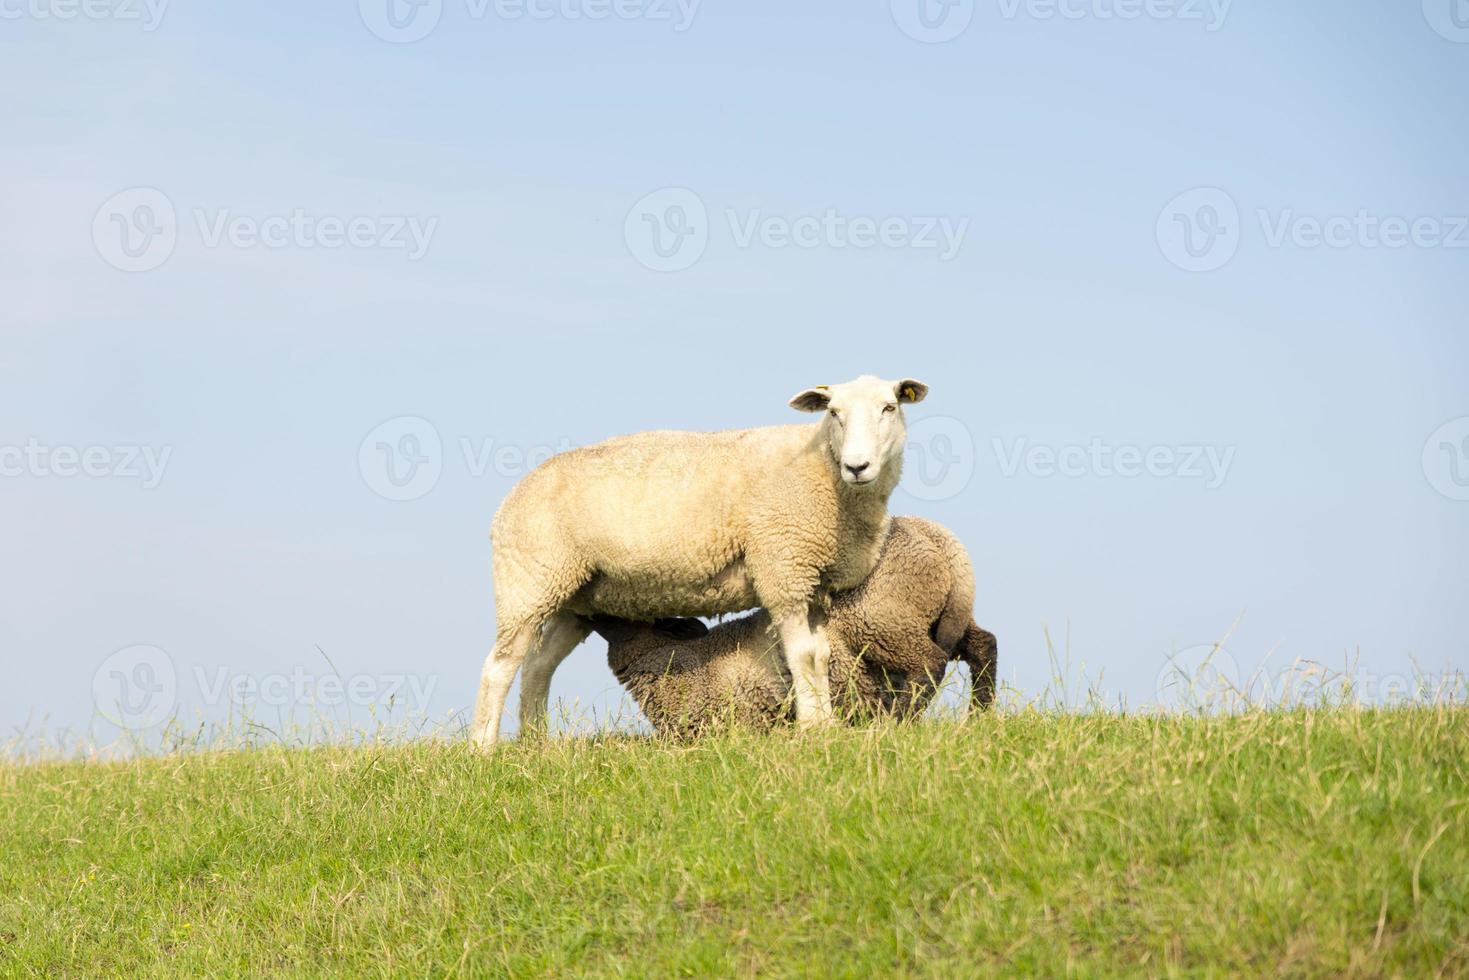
[863, 429]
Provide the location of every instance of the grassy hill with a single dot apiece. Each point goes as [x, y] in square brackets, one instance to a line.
[1306, 842]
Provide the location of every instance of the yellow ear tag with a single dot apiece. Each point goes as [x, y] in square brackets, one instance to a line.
[908, 392]
[823, 387]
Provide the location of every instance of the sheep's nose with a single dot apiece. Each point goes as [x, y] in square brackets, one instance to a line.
[856, 468]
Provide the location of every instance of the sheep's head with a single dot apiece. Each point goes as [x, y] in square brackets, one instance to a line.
[863, 429]
[615, 630]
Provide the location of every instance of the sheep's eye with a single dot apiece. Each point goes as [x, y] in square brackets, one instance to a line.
[834, 415]
[889, 408]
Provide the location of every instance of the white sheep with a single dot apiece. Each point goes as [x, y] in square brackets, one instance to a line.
[663, 524]
[891, 639]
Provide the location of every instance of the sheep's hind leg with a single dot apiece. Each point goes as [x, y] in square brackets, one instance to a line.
[499, 672]
[808, 655]
[559, 637]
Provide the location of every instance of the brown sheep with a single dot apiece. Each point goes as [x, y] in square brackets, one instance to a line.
[688, 678]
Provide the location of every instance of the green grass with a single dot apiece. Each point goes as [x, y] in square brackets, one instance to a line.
[1306, 842]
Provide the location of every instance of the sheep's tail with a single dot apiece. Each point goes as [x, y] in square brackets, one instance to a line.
[979, 651]
[958, 609]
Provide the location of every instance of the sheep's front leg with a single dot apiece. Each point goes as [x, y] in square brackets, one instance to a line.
[808, 654]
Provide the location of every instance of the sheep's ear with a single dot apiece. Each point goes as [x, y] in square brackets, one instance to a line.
[613, 629]
[812, 399]
[910, 391]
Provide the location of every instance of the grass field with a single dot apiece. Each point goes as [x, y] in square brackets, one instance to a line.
[1306, 842]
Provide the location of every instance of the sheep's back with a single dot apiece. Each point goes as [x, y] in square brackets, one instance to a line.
[650, 502]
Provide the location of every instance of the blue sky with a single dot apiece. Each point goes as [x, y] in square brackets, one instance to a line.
[1074, 154]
